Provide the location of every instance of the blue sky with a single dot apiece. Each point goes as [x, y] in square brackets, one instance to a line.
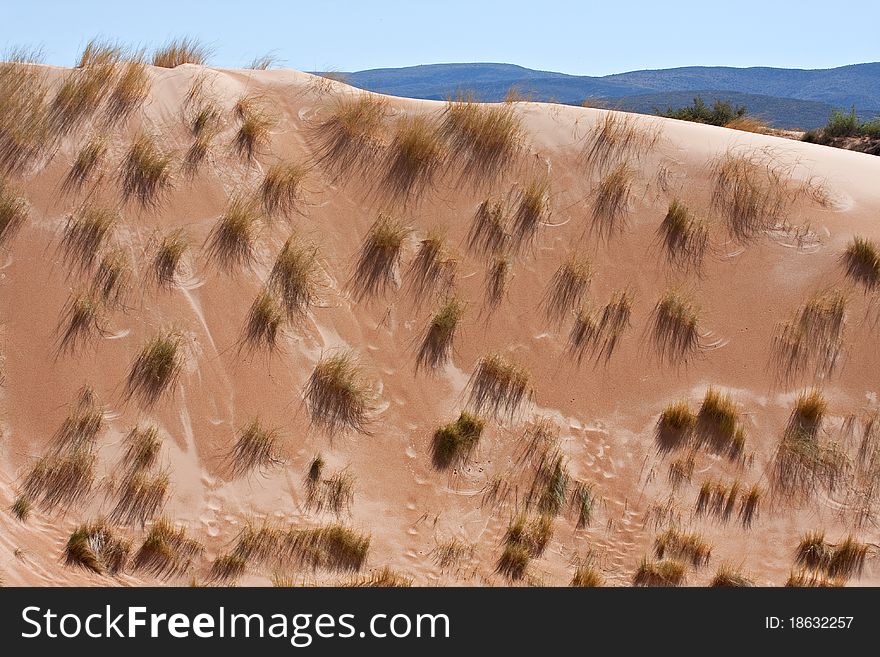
[589, 38]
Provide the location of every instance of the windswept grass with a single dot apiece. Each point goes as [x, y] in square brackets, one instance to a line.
[434, 267]
[99, 52]
[451, 553]
[568, 287]
[146, 171]
[532, 209]
[131, 90]
[351, 135]
[805, 578]
[254, 128]
[185, 50]
[383, 578]
[87, 165]
[141, 496]
[862, 261]
[813, 339]
[524, 540]
[81, 321]
[256, 448]
[719, 499]
[166, 551]
[294, 278]
[668, 572]
[416, 153]
[334, 494]
[26, 131]
[583, 499]
[228, 567]
[14, 212]
[611, 200]
[338, 395]
[265, 321]
[112, 277]
[675, 426]
[483, 138]
[616, 138]
[489, 231]
[498, 279]
[332, 547]
[94, 546]
[21, 508]
[156, 368]
[550, 486]
[586, 576]
[718, 424]
[498, 385]
[729, 577]
[281, 188]
[750, 505]
[685, 237]
[437, 343]
[380, 255]
[142, 447]
[675, 328]
[85, 233]
[60, 479]
[597, 334]
[169, 256]
[803, 464]
[681, 470]
[454, 442]
[79, 430]
[81, 93]
[232, 239]
[688, 547]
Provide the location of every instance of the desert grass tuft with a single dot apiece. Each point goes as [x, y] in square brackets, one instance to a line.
[141, 496]
[685, 237]
[228, 567]
[142, 447]
[256, 448]
[79, 430]
[524, 539]
[185, 50]
[99, 52]
[156, 368]
[382, 578]
[689, 547]
[26, 130]
[232, 239]
[281, 188]
[131, 90]
[498, 385]
[805, 578]
[808, 413]
[145, 171]
[812, 551]
[60, 479]
[414, 156]
[586, 576]
[263, 62]
[351, 135]
[728, 577]
[434, 267]
[454, 442]
[166, 551]
[675, 426]
[532, 209]
[568, 287]
[338, 395]
[667, 572]
[450, 553]
[80, 94]
[750, 505]
[847, 559]
[21, 508]
[718, 424]
[380, 255]
[334, 494]
[112, 277]
[94, 546]
[85, 233]
[265, 321]
[611, 200]
[675, 327]
[294, 278]
[615, 138]
[437, 343]
[583, 501]
[681, 470]
[169, 257]
[862, 261]
[331, 547]
[550, 486]
[80, 322]
[482, 138]
[597, 334]
[254, 128]
[498, 279]
[87, 164]
[14, 212]
[813, 339]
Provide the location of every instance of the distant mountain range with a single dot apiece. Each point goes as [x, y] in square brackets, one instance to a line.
[784, 98]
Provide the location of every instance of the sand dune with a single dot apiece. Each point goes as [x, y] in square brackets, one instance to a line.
[776, 218]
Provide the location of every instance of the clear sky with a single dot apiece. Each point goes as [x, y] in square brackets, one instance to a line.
[588, 38]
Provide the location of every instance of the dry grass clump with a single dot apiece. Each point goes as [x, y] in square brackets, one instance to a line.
[450, 553]
[198, 150]
[21, 508]
[169, 256]
[751, 196]
[25, 126]
[532, 210]
[415, 154]
[689, 547]
[611, 199]
[228, 567]
[112, 277]
[81, 93]
[141, 496]
[281, 188]
[729, 577]
[568, 287]
[95, 547]
[748, 124]
[597, 334]
[334, 494]
[667, 572]
[185, 50]
[434, 267]
[14, 212]
[383, 578]
[675, 327]
[808, 413]
[862, 261]
[805, 578]
[719, 499]
[264, 322]
[231, 241]
[524, 539]
[838, 561]
[87, 164]
[550, 485]
[79, 430]
[130, 92]
[813, 339]
[583, 499]
[437, 343]
[156, 368]
[681, 470]
[99, 52]
[166, 550]
[586, 576]
[675, 426]
[685, 237]
[338, 395]
[498, 278]
[294, 278]
[718, 424]
[380, 255]
[454, 442]
[332, 547]
[256, 448]
[146, 171]
[81, 320]
[483, 138]
[614, 139]
[351, 135]
[750, 503]
[489, 231]
[85, 233]
[263, 62]
[498, 385]
[802, 464]
[60, 479]
[142, 446]
[206, 120]
[255, 128]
